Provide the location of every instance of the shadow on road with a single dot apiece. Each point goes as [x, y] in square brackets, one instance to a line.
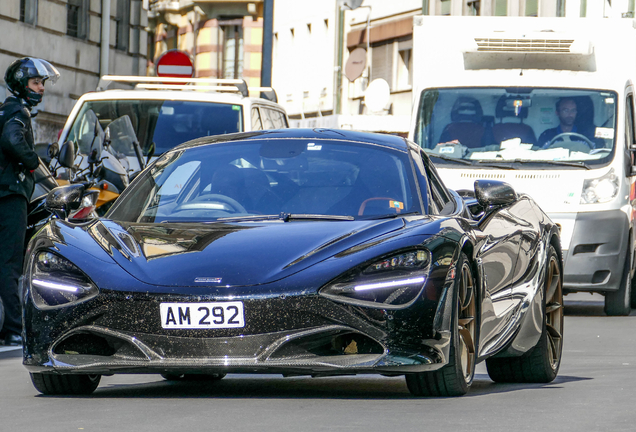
[241, 387]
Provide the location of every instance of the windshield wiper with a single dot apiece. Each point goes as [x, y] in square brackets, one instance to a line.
[390, 216]
[285, 217]
[578, 164]
[491, 164]
[450, 159]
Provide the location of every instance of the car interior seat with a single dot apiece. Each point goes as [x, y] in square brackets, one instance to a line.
[503, 130]
[466, 123]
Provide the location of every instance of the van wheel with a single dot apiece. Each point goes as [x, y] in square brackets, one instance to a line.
[619, 303]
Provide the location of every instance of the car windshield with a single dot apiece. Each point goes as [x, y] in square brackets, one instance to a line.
[277, 179]
[544, 127]
[167, 123]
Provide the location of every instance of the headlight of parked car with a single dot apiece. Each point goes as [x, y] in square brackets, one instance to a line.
[56, 282]
[388, 283]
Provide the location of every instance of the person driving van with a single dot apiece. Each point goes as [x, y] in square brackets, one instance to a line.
[566, 110]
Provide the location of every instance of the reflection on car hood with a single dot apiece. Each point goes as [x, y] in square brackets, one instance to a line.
[229, 254]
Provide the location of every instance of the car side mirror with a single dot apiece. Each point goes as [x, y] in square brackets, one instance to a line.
[492, 194]
[62, 200]
[66, 155]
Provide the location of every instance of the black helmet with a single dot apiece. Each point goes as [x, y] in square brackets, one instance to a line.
[18, 74]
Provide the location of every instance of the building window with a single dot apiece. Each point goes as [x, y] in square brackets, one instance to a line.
[232, 48]
[77, 18]
[404, 64]
[28, 11]
[532, 8]
[445, 7]
[500, 8]
[122, 25]
[382, 62]
[560, 12]
[472, 7]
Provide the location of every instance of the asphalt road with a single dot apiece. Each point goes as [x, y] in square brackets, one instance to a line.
[595, 391]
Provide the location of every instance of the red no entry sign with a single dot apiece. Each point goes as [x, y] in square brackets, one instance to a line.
[175, 63]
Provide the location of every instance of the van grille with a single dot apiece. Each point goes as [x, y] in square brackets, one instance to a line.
[524, 45]
[483, 176]
[537, 176]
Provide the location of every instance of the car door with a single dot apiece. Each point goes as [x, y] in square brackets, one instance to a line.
[496, 252]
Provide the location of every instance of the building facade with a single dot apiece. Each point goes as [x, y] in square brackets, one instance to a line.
[223, 38]
[327, 54]
[80, 41]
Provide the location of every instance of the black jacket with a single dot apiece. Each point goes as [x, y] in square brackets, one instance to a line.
[17, 149]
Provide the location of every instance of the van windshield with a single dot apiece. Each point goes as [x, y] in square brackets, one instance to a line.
[167, 123]
[536, 126]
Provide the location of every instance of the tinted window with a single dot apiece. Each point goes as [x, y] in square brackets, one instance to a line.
[271, 177]
[256, 120]
[167, 123]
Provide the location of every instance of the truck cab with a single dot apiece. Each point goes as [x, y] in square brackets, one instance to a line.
[547, 105]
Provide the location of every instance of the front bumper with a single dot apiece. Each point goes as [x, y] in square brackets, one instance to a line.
[310, 335]
[595, 257]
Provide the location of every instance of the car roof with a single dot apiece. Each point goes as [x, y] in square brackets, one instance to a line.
[180, 95]
[393, 141]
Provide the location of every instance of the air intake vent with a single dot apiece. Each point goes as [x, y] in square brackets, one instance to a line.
[537, 176]
[483, 176]
[524, 45]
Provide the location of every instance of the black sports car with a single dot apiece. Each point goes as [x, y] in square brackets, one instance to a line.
[297, 252]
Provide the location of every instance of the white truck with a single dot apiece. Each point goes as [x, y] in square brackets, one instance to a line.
[546, 105]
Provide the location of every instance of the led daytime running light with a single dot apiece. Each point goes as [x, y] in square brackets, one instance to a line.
[380, 285]
[56, 286]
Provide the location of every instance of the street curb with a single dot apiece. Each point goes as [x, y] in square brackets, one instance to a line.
[10, 352]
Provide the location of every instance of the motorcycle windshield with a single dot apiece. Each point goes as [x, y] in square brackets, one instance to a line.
[87, 132]
[122, 136]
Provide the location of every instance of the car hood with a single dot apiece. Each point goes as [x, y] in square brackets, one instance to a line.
[229, 254]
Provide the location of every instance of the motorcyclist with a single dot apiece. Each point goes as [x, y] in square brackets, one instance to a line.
[25, 79]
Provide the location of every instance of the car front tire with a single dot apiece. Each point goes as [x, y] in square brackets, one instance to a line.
[455, 378]
[50, 384]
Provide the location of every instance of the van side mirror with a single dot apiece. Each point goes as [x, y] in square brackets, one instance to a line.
[66, 155]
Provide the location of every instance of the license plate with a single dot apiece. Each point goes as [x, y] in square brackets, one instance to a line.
[202, 315]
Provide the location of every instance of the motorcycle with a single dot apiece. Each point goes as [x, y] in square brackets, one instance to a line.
[104, 158]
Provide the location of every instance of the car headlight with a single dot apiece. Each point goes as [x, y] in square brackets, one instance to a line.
[55, 282]
[388, 283]
[600, 190]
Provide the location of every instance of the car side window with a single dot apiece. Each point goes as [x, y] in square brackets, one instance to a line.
[256, 120]
[439, 193]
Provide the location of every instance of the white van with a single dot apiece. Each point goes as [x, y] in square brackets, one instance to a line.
[547, 105]
[165, 112]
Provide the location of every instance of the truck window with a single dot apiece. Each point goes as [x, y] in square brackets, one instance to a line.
[507, 125]
[256, 120]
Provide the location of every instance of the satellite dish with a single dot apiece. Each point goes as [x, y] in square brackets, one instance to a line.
[376, 97]
[351, 4]
[356, 63]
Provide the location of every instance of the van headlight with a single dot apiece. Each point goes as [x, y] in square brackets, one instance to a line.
[600, 190]
[392, 282]
[56, 282]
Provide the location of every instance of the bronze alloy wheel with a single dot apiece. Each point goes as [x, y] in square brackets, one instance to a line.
[456, 376]
[554, 311]
[466, 322]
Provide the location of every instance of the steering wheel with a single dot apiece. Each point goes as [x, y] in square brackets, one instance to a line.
[364, 203]
[569, 136]
[200, 203]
